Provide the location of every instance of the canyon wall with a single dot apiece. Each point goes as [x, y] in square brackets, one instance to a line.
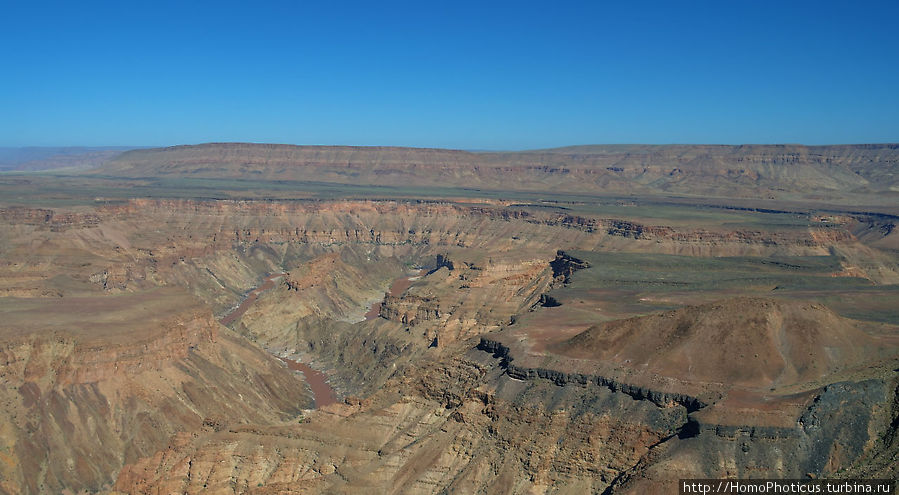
[132, 362]
[80, 401]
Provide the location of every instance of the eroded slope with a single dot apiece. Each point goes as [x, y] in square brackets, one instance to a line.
[90, 384]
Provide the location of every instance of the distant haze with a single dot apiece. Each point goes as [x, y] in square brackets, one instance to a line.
[46, 158]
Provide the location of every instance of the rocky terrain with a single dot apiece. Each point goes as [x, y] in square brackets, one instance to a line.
[772, 376]
[475, 345]
[90, 384]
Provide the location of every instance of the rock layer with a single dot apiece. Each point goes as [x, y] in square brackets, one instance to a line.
[81, 402]
[726, 171]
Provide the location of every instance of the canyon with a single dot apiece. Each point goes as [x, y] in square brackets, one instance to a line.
[240, 318]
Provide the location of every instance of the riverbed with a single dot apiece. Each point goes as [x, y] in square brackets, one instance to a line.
[267, 283]
[322, 393]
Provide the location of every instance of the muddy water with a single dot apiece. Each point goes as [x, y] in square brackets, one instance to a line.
[322, 393]
[396, 288]
[268, 283]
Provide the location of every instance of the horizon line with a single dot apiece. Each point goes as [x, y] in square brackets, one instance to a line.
[470, 150]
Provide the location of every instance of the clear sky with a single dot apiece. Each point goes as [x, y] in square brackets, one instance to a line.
[457, 74]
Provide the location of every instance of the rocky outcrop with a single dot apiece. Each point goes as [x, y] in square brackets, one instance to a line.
[443, 262]
[564, 265]
[780, 343]
[736, 424]
[547, 301]
[843, 422]
[410, 309]
[49, 219]
[561, 378]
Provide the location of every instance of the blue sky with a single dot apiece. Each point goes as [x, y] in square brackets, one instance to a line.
[471, 75]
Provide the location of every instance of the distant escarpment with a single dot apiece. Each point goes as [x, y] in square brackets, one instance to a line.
[751, 171]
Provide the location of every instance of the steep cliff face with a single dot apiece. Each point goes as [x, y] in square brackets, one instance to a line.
[830, 431]
[844, 431]
[220, 248]
[410, 310]
[49, 219]
[560, 378]
[770, 389]
[466, 424]
[456, 425]
[478, 295]
[82, 401]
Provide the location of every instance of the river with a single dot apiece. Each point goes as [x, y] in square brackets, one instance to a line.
[268, 283]
[322, 393]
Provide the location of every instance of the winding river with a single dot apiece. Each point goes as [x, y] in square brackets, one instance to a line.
[322, 393]
[267, 283]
